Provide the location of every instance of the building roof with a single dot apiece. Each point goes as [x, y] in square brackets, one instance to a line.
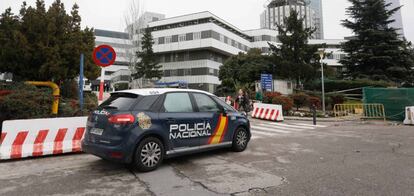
[112, 34]
[159, 91]
[197, 16]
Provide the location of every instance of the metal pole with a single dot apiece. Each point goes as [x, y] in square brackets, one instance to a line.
[314, 114]
[81, 84]
[101, 85]
[323, 90]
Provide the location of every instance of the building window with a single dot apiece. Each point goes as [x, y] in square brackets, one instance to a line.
[174, 38]
[189, 36]
[187, 72]
[197, 35]
[206, 34]
[180, 72]
[168, 40]
[173, 72]
[215, 35]
[182, 38]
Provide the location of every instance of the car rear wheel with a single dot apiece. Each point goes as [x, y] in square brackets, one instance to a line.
[149, 154]
[240, 140]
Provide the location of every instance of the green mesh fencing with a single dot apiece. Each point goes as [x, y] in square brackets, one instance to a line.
[394, 100]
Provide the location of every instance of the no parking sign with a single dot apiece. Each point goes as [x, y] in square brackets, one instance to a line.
[104, 55]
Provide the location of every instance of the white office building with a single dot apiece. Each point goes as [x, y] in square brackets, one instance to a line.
[277, 10]
[192, 47]
[398, 23]
[120, 41]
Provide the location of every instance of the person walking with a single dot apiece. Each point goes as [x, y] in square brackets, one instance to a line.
[243, 102]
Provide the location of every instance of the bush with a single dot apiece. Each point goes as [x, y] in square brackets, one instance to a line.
[315, 101]
[334, 99]
[268, 96]
[69, 89]
[21, 101]
[300, 100]
[71, 107]
[286, 102]
[25, 103]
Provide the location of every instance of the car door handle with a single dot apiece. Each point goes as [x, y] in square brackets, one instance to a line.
[171, 120]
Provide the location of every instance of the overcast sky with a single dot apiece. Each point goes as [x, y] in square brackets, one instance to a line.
[245, 14]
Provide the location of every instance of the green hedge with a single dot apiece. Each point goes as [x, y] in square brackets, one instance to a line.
[21, 101]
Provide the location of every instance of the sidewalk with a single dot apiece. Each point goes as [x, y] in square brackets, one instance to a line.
[311, 119]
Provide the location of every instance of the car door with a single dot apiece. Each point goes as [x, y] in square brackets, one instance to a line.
[213, 116]
[177, 115]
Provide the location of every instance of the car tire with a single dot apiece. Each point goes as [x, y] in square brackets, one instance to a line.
[240, 140]
[148, 155]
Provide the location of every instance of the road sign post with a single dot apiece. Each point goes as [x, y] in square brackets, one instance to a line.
[267, 82]
[81, 83]
[103, 56]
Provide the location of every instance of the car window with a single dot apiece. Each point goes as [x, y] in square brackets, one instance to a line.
[119, 101]
[224, 104]
[178, 102]
[205, 103]
[146, 102]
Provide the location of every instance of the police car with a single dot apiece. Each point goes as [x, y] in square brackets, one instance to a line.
[142, 127]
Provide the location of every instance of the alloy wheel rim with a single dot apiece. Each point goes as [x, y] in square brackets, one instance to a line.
[150, 154]
[241, 139]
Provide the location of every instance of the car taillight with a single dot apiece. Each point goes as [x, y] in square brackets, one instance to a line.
[121, 119]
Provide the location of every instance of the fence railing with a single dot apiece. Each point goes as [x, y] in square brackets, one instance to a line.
[359, 111]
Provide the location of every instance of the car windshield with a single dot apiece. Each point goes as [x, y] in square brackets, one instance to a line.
[119, 101]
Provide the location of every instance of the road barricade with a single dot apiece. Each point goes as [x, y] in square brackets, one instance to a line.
[40, 137]
[267, 112]
[359, 111]
[409, 115]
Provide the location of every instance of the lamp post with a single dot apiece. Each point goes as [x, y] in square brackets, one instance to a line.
[321, 53]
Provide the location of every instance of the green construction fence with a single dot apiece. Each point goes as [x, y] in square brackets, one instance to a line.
[394, 100]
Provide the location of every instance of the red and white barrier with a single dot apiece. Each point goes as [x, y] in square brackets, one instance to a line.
[267, 112]
[39, 137]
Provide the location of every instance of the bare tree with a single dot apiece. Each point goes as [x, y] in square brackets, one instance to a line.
[134, 27]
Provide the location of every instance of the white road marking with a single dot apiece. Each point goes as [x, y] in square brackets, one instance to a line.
[293, 126]
[310, 125]
[255, 137]
[269, 129]
[282, 128]
[263, 133]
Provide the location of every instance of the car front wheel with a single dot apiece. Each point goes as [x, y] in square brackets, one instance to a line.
[149, 154]
[240, 140]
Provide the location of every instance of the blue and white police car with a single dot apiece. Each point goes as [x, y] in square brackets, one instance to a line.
[142, 127]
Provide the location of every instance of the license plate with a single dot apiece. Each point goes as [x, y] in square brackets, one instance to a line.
[96, 131]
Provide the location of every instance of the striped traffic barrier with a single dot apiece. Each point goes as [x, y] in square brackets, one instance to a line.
[267, 112]
[40, 137]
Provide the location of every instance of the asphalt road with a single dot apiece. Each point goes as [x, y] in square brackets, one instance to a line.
[291, 158]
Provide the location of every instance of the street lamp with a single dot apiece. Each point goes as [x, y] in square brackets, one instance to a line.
[321, 53]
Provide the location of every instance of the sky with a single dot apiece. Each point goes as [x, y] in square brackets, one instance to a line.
[244, 14]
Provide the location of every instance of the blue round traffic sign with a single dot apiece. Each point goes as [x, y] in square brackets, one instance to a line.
[104, 55]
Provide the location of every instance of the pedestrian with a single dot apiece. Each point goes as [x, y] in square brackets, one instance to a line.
[243, 102]
[228, 100]
[259, 96]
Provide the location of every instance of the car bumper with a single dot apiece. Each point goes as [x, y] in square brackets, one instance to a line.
[112, 153]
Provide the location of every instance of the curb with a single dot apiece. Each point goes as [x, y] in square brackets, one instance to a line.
[311, 119]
